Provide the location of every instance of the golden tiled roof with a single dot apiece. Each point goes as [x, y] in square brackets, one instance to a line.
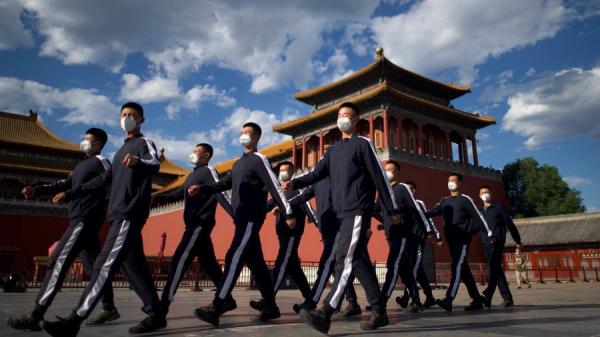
[28, 130]
[452, 90]
[169, 167]
[33, 168]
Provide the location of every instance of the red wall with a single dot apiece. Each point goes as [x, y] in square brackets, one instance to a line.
[31, 235]
[431, 183]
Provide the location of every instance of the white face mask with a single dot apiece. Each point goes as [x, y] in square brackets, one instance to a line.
[85, 146]
[128, 124]
[245, 139]
[193, 158]
[284, 176]
[389, 175]
[344, 124]
[486, 197]
[452, 186]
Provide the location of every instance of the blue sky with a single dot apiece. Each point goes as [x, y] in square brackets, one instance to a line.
[203, 68]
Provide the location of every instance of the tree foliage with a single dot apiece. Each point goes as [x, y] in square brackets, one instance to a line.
[539, 190]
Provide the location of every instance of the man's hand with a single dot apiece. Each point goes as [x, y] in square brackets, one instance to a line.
[291, 222]
[28, 192]
[130, 160]
[59, 198]
[287, 185]
[430, 235]
[394, 219]
[520, 246]
[193, 190]
[275, 211]
[439, 243]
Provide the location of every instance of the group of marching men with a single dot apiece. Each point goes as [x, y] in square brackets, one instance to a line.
[350, 186]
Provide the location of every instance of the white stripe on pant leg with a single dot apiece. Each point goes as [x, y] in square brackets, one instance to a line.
[458, 268]
[341, 285]
[105, 270]
[416, 267]
[283, 266]
[234, 262]
[324, 279]
[396, 267]
[179, 269]
[58, 266]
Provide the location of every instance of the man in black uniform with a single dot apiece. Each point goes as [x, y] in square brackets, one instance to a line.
[87, 211]
[418, 269]
[134, 164]
[499, 221]
[288, 261]
[251, 177]
[355, 173]
[461, 220]
[402, 239]
[199, 217]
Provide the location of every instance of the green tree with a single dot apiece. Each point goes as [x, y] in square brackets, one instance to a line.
[535, 190]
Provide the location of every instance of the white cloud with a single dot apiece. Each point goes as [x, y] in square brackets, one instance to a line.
[439, 35]
[575, 181]
[334, 68]
[198, 95]
[156, 89]
[85, 106]
[556, 107]
[530, 72]
[12, 31]
[271, 42]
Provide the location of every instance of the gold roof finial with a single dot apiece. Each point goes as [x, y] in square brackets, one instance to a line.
[379, 51]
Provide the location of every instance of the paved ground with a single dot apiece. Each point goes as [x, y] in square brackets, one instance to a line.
[545, 310]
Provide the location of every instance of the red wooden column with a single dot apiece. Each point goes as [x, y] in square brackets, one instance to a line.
[321, 145]
[474, 148]
[399, 133]
[464, 154]
[371, 127]
[448, 147]
[294, 153]
[420, 139]
[303, 153]
[385, 128]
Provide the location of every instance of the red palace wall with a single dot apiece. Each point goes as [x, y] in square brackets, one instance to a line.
[431, 183]
[31, 235]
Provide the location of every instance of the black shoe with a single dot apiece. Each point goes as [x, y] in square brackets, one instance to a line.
[308, 305]
[317, 319]
[353, 309]
[103, 317]
[257, 305]
[148, 324]
[414, 307]
[269, 313]
[474, 305]
[208, 314]
[61, 328]
[507, 303]
[402, 301]
[429, 302]
[376, 321]
[486, 301]
[228, 305]
[24, 322]
[446, 304]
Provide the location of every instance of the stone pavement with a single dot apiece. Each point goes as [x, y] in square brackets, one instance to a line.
[546, 310]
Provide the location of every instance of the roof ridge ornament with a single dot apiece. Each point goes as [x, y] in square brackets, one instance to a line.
[379, 52]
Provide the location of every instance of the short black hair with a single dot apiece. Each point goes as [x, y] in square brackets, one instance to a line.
[255, 127]
[485, 186]
[135, 106]
[207, 148]
[99, 135]
[395, 163]
[350, 105]
[411, 184]
[457, 175]
[285, 162]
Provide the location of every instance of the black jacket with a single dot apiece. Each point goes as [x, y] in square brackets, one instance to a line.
[432, 227]
[499, 221]
[83, 199]
[460, 213]
[199, 209]
[250, 179]
[355, 173]
[301, 210]
[413, 220]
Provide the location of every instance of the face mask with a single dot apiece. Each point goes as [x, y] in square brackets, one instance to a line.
[128, 124]
[486, 197]
[389, 175]
[193, 158]
[284, 176]
[85, 146]
[452, 186]
[344, 124]
[245, 140]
